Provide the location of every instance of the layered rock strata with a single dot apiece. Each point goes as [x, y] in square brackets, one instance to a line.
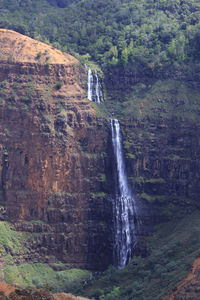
[53, 157]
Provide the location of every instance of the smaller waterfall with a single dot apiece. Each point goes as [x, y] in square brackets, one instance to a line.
[99, 94]
[90, 84]
[125, 213]
[95, 92]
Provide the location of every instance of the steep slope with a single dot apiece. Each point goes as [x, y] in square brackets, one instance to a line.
[161, 125]
[171, 268]
[189, 287]
[52, 156]
[22, 49]
[152, 90]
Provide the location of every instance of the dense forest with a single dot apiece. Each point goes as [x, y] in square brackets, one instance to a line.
[151, 34]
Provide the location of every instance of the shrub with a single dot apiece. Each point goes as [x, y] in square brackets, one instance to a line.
[47, 64]
[38, 56]
[58, 85]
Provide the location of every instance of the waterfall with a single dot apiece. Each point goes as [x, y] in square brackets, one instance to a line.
[99, 94]
[125, 213]
[124, 206]
[95, 92]
[90, 84]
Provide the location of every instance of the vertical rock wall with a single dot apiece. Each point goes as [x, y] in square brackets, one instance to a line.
[54, 157]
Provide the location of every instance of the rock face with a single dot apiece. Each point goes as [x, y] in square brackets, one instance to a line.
[163, 163]
[53, 157]
[160, 126]
[56, 155]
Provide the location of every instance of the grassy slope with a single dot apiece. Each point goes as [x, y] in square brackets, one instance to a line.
[56, 277]
[173, 248]
[157, 99]
[42, 275]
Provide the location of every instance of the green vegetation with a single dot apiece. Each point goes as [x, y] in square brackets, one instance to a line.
[100, 109]
[39, 54]
[57, 276]
[130, 155]
[47, 64]
[102, 177]
[160, 100]
[98, 195]
[127, 145]
[10, 240]
[146, 34]
[2, 89]
[138, 41]
[172, 250]
[58, 85]
[150, 198]
[42, 275]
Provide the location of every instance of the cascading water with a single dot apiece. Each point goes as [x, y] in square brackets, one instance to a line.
[125, 210]
[90, 84]
[99, 96]
[95, 93]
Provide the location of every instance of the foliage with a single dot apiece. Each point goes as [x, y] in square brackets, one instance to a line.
[42, 275]
[98, 195]
[102, 177]
[150, 198]
[58, 85]
[10, 240]
[147, 33]
[162, 99]
[57, 277]
[172, 250]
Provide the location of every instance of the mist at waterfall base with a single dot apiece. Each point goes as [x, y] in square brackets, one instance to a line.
[95, 92]
[124, 207]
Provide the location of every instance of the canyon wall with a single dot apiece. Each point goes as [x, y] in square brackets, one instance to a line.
[56, 161]
[53, 156]
[160, 125]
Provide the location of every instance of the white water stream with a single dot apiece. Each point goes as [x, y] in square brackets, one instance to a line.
[90, 84]
[124, 206]
[95, 92]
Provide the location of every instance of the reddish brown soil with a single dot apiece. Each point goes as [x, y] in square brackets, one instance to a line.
[16, 294]
[16, 47]
[6, 288]
[189, 287]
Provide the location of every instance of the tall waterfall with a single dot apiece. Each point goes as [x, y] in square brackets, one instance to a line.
[125, 213]
[95, 92]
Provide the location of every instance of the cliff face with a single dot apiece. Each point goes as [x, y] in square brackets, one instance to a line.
[52, 155]
[56, 161]
[163, 163]
[160, 126]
